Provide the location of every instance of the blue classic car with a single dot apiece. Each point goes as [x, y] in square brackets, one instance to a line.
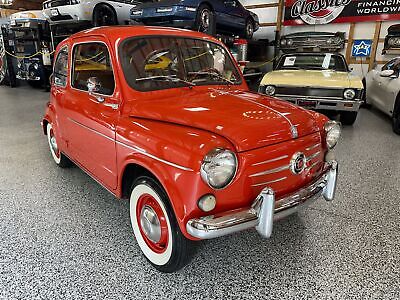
[205, 16]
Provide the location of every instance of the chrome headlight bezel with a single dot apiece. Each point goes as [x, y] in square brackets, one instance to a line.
[349, 94]
[269, 90]
[214, 159]
[333, 132]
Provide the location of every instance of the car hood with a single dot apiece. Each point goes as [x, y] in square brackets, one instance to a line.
[248, 120]
[312, 78]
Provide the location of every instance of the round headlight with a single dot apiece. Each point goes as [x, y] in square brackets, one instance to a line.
[219, 168]
[36, 66]
[270, 90]
[332, 133]
[283, 42]
[349, 94]
[289, 42]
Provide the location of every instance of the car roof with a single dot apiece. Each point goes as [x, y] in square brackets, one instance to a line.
[114, 33]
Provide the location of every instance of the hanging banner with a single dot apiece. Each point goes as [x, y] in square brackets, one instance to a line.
[312, 12]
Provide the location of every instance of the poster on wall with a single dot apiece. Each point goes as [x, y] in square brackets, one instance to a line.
[313, 12]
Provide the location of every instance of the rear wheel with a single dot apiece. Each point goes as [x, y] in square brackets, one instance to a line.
[104, 15]
[205, 20]
[348, 117]
[249, 29]
[155, 227]
[60, 159]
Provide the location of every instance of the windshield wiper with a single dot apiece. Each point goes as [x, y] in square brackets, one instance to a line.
[167, 78]
[220, 76]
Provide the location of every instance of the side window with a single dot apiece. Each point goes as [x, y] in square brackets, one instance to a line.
[61, 68]
[92, 60]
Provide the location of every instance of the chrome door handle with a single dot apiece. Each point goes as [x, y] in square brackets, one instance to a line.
[113, 106]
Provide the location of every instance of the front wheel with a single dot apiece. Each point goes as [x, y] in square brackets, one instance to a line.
[348, 117]
[60, 159]
[155, 227]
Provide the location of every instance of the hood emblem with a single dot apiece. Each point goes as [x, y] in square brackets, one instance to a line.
[298, 163]
[294, 132]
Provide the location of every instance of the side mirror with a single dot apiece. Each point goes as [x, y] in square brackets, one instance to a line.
[93, 85]
[388, 73]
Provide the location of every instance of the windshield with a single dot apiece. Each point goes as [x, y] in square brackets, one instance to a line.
[154, 63]
[313, 62]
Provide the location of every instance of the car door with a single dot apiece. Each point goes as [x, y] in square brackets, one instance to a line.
[387, 87]
[91, 109]
[235, 14]
[57, 93]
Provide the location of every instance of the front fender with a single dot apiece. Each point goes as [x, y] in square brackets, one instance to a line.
[173, 154]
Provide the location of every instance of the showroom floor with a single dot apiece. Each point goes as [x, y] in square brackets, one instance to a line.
[64, 236]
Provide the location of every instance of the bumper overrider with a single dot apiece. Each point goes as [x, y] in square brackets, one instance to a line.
[265, 209]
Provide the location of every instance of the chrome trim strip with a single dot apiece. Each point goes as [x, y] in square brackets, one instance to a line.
[276, 170]
[310, 97]
[142, 151]
[271, 160]
[90, 129]
[268, 182]
[313, 155]
[312, 147]
[279, 113]
[135, 148]
[312, 165]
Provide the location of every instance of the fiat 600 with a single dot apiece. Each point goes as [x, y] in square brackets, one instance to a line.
[163, 117]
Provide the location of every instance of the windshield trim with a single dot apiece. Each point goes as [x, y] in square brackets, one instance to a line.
[215, 83]
[278, 68]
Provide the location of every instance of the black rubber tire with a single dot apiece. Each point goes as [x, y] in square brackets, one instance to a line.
[365, 104]
[348, 117]
[63, 162]
[396, 117]
[104, 15]
[199, 26]
[248, 34]
[181, 246]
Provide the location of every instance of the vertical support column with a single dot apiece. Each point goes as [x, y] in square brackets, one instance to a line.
[350, 41]
[372, 60]
[281, 7]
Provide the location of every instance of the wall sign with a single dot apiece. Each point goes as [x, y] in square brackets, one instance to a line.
[361, 48]
[303, 12]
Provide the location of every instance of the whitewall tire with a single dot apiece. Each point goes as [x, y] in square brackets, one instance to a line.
[155, 228]
[60, 159]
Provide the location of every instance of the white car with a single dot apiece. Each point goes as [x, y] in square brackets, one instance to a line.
[97, 12]
[383, 90]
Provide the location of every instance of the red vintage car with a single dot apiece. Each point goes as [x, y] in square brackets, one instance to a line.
[163, 117]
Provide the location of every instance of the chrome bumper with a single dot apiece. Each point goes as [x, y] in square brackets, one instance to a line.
[325, 104]
[265, 210]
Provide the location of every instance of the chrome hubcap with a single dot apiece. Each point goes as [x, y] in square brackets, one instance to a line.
[249, 29]
[53, 143]
[205, 19]
[150, 224]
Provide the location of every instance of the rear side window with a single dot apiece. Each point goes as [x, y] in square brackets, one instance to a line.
[92, 60]
[61, 68]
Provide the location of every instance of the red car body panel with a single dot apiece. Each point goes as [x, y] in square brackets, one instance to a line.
[168, 132]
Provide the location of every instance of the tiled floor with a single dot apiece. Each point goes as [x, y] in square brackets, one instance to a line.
[64, 236]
